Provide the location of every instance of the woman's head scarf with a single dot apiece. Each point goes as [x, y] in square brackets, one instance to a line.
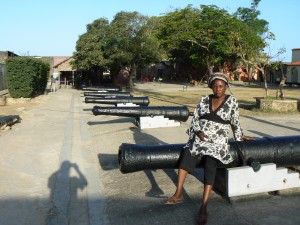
[217, 76]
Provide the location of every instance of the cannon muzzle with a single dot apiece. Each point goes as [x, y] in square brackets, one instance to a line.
[283, 151]
[142, 101]
[178, 113]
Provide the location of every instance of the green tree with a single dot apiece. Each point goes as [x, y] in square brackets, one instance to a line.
[202, 34]
[90, 46]
[132, 43]
[253, 42]
[263, 61]
[89, 56]
[129, 41]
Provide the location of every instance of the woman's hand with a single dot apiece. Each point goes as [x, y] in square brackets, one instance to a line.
[202, 136]
[248, 138]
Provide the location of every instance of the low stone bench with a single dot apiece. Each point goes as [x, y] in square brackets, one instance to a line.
[257, 101]
[282, 105]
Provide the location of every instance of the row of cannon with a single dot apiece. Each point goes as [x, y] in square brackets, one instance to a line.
[283, 151]
[114, 96]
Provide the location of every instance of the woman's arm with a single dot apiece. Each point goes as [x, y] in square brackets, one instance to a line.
[235, 121]
[196, 121]
[195, 124]
[248, 138]
[235, 124]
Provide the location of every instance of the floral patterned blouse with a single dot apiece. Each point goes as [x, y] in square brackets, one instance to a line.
[215, 125]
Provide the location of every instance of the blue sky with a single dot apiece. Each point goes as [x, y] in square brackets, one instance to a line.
[51, 28]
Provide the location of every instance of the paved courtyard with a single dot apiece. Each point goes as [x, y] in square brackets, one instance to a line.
[59, 166]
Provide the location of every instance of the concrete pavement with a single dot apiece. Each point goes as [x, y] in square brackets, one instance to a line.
[46, 167]
[59, 166]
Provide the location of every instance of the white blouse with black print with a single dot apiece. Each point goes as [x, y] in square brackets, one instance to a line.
[215, 125]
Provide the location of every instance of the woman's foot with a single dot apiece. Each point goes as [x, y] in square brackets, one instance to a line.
[174, 200]
[202, 216]
[202, 219]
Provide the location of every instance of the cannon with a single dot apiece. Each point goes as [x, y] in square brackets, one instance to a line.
[8, 120]
[101, 89]
[178, 113]
[106, 94]
[142, 101]
[282, 151]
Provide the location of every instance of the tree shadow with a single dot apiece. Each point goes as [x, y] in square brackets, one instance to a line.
[271, 123]
[117, 120]
[248, 105]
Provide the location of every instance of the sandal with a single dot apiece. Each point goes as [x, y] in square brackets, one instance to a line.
[173, 200]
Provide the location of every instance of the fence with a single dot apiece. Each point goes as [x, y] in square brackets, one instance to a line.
[66, 83]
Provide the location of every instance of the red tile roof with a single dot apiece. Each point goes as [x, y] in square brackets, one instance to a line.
[59, 59]
[294, 63]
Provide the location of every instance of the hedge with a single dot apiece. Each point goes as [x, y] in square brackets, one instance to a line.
[26, 77]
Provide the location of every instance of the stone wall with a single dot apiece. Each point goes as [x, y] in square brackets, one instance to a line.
[278, 105]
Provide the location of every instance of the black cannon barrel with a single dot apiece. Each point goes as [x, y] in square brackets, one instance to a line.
[101, 89]
[104, 94]
[142, 101]
[8, 120]
[282, 150]
[179, 113]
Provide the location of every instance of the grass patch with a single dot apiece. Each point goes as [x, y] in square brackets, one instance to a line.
[244, 94]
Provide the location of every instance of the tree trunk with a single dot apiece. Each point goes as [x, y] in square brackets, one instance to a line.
[209, 67]
[266, 83]
[279, 92]
[250, 71]
[131, 75]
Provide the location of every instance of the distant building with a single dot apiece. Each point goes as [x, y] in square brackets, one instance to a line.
[63, 71]
[3, 77]
[274, 75]
[60, 69]
[293, 74]
[6, 54]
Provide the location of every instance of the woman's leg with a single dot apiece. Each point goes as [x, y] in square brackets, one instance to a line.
[210, 170]
[181, 179]
[202, 219]
[177, 197]
[206, 195]
[187, 164]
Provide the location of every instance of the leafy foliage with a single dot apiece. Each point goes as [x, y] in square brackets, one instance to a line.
[128, 41]
[254, 49]
[90, 47]
[205, 36]
[26, 77]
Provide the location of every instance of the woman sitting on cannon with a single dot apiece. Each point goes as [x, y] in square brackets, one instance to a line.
[208, 134]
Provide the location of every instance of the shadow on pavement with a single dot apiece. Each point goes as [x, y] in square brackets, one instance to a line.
[271, 123]
[118, 120]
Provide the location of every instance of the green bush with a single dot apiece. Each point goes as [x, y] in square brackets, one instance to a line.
[26, 77]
